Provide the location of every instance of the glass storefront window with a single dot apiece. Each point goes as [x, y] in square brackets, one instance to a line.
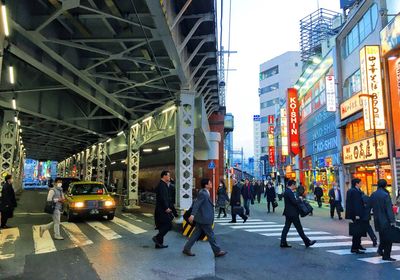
[368, 175]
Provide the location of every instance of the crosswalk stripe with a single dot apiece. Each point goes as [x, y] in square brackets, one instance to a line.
[129, 227]
[342, 252]
[8, 236]
[105, 231]
[76, 235]
[378, 260]
[131, 217]
[295, 233]
[255, 226]
[43, 244]
[240, 220]
[337, 244]
[334, 237]
[398, 268]
[250, 223]
[277, 229]
[148, 214]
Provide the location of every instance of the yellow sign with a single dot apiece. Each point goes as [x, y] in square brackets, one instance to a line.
[351, 106]
[371, 82]
[365, 150]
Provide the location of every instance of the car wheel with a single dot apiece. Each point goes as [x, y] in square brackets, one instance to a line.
[110, 217]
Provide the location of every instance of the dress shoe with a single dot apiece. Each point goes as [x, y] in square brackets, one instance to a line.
[161, 246]
[58, 237]
[225, 216]
[245, 219]
[155, 240]
[389, 259]
[358, 252]
[340, 218]
[312, 242]
[374, 243]
[188, 253]
[362, 248]
[379, 252]
[285, 245]
[220, 254]
[5, 227]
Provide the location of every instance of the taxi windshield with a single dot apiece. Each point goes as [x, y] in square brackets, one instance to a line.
[88, 189]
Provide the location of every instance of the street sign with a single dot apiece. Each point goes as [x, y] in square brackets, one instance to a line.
[211, 165]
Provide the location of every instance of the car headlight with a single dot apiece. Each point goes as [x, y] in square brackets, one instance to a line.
[78, 204]
[109, 203]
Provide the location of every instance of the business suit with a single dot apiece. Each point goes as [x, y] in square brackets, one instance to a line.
[383, 217]
[7, 203]
[163, 220]
[271, 196]
[355, 207]
[203, 212]
[292, 214]
[235, 201]
[319, 193]
[335, 202]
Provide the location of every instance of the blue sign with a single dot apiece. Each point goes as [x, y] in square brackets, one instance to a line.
[344, 4]
[211, 165]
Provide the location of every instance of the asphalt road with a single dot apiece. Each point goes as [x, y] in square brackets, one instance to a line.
[122, 249]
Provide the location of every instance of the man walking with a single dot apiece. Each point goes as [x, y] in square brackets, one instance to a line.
[335, 200]
[203, 215]
[318, 192]
[292, 213]
[7, 201]
[163, 214]
[271, 196]
[247, 193]
[355, 211]
[235, 203]
[383, 218]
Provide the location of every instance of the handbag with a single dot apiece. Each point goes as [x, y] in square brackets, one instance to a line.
[304, 207]
[358, 228]
[238, 210]
[393, 234]
[274, 204]
[49, 207]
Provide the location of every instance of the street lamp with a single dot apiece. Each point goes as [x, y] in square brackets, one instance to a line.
[370, 96]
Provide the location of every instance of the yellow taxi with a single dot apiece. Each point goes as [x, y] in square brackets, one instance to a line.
[85, 199]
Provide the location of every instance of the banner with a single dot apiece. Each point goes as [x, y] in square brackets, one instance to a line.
[371, 78]
[365, 150]
[284, 137]
[293, 111]
[330, 93]
[271, 155]
[351, 106]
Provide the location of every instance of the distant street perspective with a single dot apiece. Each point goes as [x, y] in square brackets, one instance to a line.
[199, 139]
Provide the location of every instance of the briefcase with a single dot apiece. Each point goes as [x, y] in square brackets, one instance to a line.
[393, 234]
[274, 204]
[304, 207]
[238, 210]
[358, 228]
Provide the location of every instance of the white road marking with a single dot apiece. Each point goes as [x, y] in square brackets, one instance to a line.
[131, 217]
[249, 223]
[129, 227]
[31, 214]
[295, 233]
[378, 260]
[105, 231]
[148, 214]
[43, 244]
[334, 237]
[76, 235]
[271, 229]
[342, 252]
[337, 244]
[8, 236]
[255, 226]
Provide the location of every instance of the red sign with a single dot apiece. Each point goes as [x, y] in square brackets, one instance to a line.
[271, 129]
[271, 119]
[271, 155]
[293, 123]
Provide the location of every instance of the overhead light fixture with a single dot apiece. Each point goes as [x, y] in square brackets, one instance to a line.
[14, 103]
[120, 133]
[169, 109]
[108, 140]
[147, 150]
[5, 20]
[16, 119]
[392, 57]
[123, 161]
[20, 130]
[112, 163]
[163, 148]
[11, 74]
[147, 119]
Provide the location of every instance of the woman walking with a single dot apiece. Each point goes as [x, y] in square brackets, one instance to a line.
[56, 196]
[222, 198]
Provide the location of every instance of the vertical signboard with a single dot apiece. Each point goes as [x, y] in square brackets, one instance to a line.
[330, 93]
[271, 155]
[284, 136]
[293, 123]
[371, 78]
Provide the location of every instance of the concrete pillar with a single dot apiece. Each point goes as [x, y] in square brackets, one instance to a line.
[133, 168]
[184, 149]
[8, 141]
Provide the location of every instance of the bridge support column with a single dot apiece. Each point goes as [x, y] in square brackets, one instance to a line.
[101, 162]
[8, 141]
[184, 149]
[133, 168]
[88, 166]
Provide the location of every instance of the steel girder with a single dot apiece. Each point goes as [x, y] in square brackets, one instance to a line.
[9, 142]
[101, 162]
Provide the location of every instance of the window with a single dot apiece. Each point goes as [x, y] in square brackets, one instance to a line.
[352, 85]
[263, 150]
[269, 103]
[361, 30]
[269, 72]
[263, 134]
[269, 88]
[296, 64]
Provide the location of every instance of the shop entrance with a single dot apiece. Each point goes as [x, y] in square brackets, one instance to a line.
[368, 175]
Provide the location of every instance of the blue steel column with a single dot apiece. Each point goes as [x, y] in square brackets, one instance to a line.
[184, 149]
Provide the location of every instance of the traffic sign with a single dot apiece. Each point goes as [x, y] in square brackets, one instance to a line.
[211, 165]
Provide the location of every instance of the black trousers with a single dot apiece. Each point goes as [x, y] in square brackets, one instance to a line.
[335, 205]
[356, 242]
[371, 233]
[234, 215]
[268, 206]
[5, 215]
[297, 224]
[385, 245]
[222, 209]
[162, 231]
[319, 201]
[259, 197]
[4, 219]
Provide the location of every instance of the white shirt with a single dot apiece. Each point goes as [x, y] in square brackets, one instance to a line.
[336, 194]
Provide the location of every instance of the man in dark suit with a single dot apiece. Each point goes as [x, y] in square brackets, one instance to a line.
[319, 193]
[355, 210]
[163, 214]
[271, 196]
[247, 193]
[383, 218]
[203, 215]
[335, 200]
[7, 201]
[292, 214]
[235, 202]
